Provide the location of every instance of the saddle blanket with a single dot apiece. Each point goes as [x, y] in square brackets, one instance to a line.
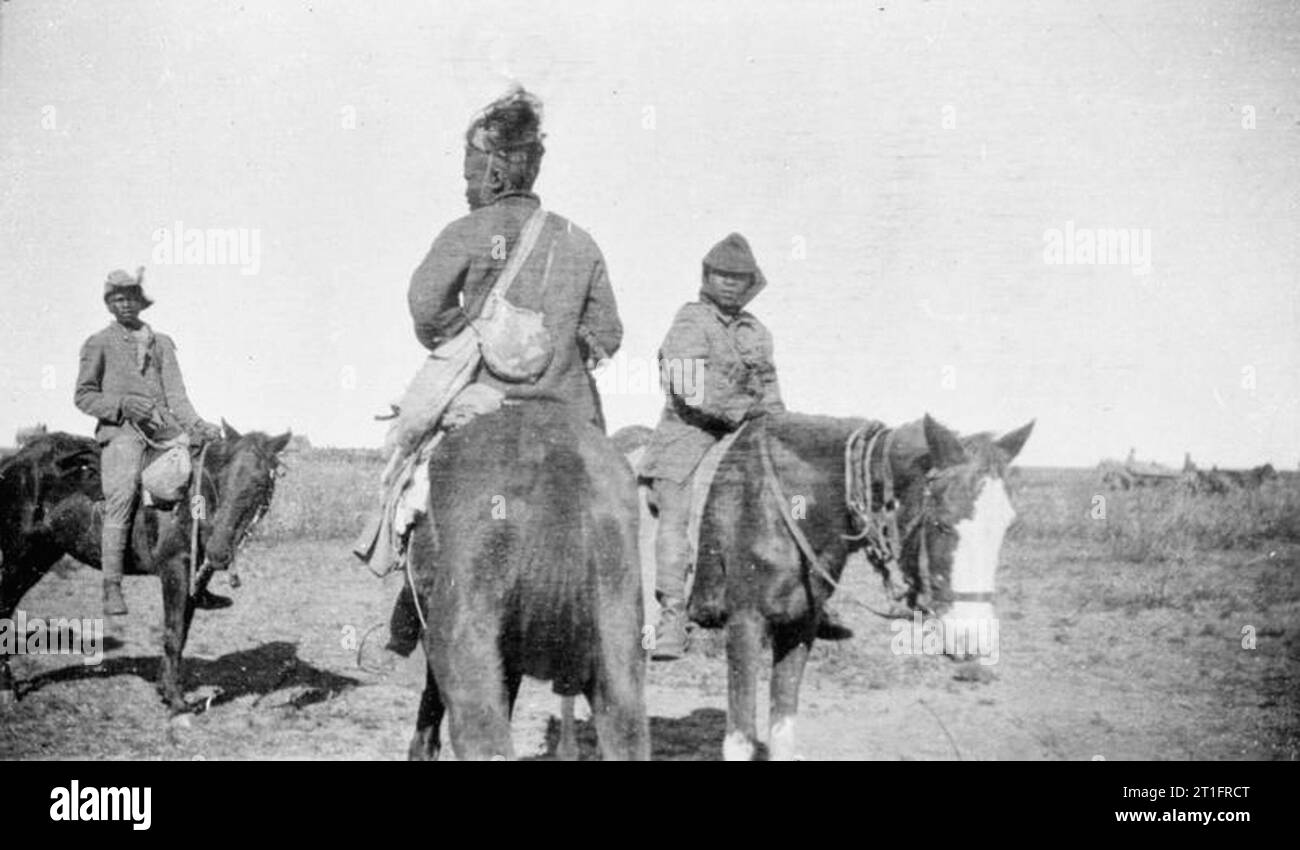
[700, 484]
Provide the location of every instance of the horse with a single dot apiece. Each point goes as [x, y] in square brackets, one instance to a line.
[922, 501]
[48, 492]
[527, 564]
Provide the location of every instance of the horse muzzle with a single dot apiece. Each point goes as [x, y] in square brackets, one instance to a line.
[970, 627]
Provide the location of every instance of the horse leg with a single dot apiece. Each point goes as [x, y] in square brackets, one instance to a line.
[427, 743]
[789, 657]
[567, 749]
[478, 707]
[177, 615]
[617, 700]
[616, 691]
[744, 645]
[17, 576]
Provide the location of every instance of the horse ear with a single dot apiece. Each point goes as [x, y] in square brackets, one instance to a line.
[277, 444]
[1015, 441]
[945, 447]
[228, 430]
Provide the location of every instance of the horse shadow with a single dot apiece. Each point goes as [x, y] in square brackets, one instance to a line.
[260, 671]
[695, 737]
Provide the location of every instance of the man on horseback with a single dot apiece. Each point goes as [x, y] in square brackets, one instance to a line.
[556, 271]
[130, 381]
[717, 370]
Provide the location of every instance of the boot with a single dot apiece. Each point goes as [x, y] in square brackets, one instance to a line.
[113, 560]
[403, 637]
[670, 634]
[830, 627]
[206, 600]
[364, 546]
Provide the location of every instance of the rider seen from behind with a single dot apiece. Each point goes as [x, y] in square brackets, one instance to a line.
[560, 275]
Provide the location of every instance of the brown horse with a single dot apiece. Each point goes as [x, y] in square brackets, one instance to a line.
[787, 509]
[528, 565]
[48, 492]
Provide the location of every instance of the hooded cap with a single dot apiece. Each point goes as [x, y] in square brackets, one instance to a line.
[119, 281]
[732, 256]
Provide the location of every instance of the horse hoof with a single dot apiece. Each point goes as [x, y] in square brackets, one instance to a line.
[423, 747]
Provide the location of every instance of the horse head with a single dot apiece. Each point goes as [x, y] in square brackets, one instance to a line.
[953, 513]
[239, 477]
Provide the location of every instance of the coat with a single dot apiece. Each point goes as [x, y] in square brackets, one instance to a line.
[449, 288]
[109, 370]
[735, 355]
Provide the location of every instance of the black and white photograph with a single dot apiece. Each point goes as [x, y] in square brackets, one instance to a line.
[879, 381]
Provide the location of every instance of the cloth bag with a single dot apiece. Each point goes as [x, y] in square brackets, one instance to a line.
[515, 342]
[167, 476]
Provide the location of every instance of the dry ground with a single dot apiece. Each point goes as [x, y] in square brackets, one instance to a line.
[1098, 658]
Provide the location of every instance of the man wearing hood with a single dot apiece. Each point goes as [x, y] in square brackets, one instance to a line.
[718, 371]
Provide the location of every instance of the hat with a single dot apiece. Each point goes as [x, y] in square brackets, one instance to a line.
[508, 124]
[118, 281]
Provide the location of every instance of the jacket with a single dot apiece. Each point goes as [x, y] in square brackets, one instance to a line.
[734, 353]
[110, 370]
[449, 288]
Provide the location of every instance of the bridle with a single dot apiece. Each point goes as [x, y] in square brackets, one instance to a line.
[198, 508]
[875, 521]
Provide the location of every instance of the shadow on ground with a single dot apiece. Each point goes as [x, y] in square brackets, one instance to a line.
[261, 671]
[695, 737]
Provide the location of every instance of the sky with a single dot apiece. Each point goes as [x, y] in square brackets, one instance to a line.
[921, 183]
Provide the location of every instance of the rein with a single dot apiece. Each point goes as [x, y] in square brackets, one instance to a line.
[198, 510]
[878, 523]
[202, 576]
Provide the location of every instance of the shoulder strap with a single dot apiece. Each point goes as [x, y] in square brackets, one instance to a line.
[523, 249]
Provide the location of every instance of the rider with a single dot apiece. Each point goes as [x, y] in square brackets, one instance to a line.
[503, 156]
[130, 381]
[718, 371]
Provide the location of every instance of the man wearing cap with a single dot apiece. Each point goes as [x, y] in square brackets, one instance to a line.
[718, 372]
[130, 381]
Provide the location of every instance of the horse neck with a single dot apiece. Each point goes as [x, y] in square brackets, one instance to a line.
[215, 461]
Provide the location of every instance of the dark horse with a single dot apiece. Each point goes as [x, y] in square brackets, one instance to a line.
[48, 492]
[528, 565]
[787, 509]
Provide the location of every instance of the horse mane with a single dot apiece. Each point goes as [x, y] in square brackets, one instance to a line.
[220, 452]
[816, 434]
[803, 429]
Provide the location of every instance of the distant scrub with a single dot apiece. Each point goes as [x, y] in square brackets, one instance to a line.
[327, 493]
[1152, 523]
[324, 495]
